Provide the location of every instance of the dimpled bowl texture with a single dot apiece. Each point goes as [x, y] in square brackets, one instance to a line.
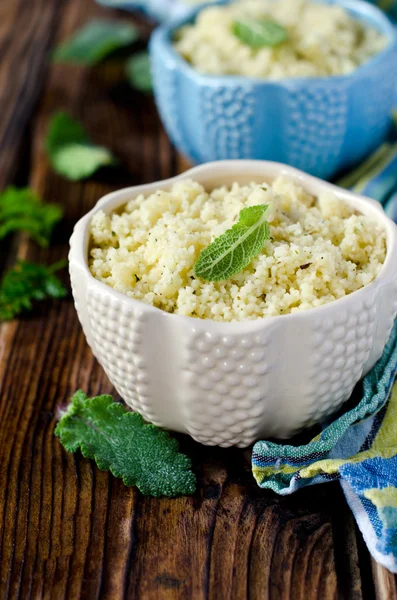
[319, 125]
[232, 383]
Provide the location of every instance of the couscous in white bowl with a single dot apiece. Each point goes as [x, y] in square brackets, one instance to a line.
[230, 383]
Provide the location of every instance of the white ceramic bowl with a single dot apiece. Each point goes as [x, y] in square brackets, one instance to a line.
[231, 383]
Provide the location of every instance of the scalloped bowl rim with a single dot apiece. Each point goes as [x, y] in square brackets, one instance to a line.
[163, 35]
[80, 239]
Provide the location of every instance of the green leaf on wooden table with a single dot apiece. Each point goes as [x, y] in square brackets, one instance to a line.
[70, 150]
[120, 441]
[232, 251]
[95, 41]
[22, 210]
[259, 33]
[25, 283]
[139, 73]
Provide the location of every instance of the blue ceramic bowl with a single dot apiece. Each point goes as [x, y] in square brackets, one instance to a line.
[319, 125]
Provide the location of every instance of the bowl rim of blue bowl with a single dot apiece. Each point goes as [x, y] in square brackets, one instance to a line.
[371, 14]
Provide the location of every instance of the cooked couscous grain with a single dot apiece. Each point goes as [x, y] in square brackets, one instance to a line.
[319, 250]
[323, 40]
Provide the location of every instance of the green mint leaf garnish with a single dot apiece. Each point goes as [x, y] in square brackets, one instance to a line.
[25, 283]
[138, 72]
[95, 41]
[120, 441]
[22, 210]
[70, 150]
[259, 33]
[231, 252]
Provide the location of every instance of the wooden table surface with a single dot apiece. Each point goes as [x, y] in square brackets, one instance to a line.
[68, 530]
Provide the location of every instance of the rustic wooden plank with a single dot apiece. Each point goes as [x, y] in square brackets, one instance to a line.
[347, 551]
[385, 582]
[26, 30]
[40, 554]
[68, 530]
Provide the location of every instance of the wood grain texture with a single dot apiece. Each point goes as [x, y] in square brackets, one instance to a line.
[385, 582]
[26, 31]
[68, 530]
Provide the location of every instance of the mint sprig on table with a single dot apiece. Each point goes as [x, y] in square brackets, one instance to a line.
[120, 441]
[26, 283]
[231, 252]
[259, 33]
[22, 210]
[95, 41]
[70, 150]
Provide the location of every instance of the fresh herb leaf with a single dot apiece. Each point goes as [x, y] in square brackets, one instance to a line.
[120, 441]
[25, 283]
[231, 252]
[95, 41]
[259, 33]
[70, 150]
[22, 210]
[139, 73]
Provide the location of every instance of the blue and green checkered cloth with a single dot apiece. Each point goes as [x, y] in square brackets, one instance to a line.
[358, 448]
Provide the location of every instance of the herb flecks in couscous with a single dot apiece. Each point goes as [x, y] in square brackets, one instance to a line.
[319, 250]
[320, 40]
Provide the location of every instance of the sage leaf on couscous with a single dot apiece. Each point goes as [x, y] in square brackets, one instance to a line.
[232, 251]
[259, 33]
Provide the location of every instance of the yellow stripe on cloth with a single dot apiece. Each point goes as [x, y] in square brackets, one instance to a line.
[383, 498]
[384, 445]
[260, 472]
[369, 165]
[360, 186]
